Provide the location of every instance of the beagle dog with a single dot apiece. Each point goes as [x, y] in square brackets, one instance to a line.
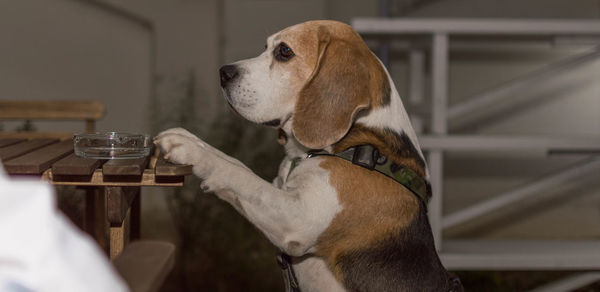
[345, 226]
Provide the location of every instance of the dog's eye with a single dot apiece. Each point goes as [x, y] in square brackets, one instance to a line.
[283, 52]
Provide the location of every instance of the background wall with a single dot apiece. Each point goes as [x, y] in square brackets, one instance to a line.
[155, 65]
[71, 50]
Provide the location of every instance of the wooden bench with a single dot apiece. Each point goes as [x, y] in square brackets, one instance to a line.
[144, 265]
[87, 111]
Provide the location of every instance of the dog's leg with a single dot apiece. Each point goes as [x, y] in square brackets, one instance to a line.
[223, 194]
[186, 133]
[292, 218]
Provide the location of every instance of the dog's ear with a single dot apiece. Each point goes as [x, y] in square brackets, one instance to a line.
[338, 89]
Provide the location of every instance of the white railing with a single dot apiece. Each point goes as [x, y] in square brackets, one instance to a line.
[432, 38]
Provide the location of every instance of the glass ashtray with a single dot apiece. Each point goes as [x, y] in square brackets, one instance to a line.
[111, 145]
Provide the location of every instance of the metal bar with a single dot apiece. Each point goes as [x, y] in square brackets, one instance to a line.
[492, 44]
[384, 8]
[392, 26]
[521, 255]
[521, 193]
[497, 142]
[384, 52]
[483, 100]
[384, 44]
[570, 283]
[439, 82]
[439, 90]
[436, 169]
[416, 86]
[575, 40]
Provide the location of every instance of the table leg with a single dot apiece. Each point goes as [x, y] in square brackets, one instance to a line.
[118, 212]
[95, 220]
[119, 234]
[89, 223]
[136, 214]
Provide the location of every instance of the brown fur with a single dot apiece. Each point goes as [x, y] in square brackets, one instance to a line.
[381, 239]
[347, 79]
[374, 207]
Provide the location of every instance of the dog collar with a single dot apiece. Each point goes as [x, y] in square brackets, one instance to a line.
[289, 277]
[369, 157]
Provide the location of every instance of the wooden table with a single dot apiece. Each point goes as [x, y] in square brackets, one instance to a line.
[112, 186]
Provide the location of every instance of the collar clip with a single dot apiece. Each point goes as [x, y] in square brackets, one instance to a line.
[365, 156]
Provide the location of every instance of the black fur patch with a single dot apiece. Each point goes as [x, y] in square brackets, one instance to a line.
[428, 187]
[387, 92]
[406, 261]
[404, 147]
[272, 123]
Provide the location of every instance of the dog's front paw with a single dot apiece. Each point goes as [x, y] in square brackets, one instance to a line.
[178, 131]
[182, 147]
[177, 148]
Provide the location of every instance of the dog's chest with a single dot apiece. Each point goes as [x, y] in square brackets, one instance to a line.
[313, 275]
[282, 174]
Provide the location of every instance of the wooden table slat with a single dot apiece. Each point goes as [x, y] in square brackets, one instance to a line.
[165, 168]
[10, 141]
[125, 166]
[16, 150]
[97, 180]
[37, 161]
[75, 165]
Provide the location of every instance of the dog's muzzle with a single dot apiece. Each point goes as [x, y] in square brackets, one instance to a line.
[228, 73]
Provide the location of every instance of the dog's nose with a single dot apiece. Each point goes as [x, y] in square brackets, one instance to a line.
[228, 73]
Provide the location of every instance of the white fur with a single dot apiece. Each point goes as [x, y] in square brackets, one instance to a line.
[264, 90]
[292, 216]
[313, 275]
[394, 117]
[292, 212]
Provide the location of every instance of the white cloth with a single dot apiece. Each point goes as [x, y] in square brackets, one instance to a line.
[41, 250]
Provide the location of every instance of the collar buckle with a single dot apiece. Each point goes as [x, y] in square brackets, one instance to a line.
[365, 156]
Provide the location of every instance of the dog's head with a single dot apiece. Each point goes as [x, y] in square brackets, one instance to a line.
[318, 74]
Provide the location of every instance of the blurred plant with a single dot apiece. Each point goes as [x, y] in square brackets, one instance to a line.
[218, 250]
[27, 126]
